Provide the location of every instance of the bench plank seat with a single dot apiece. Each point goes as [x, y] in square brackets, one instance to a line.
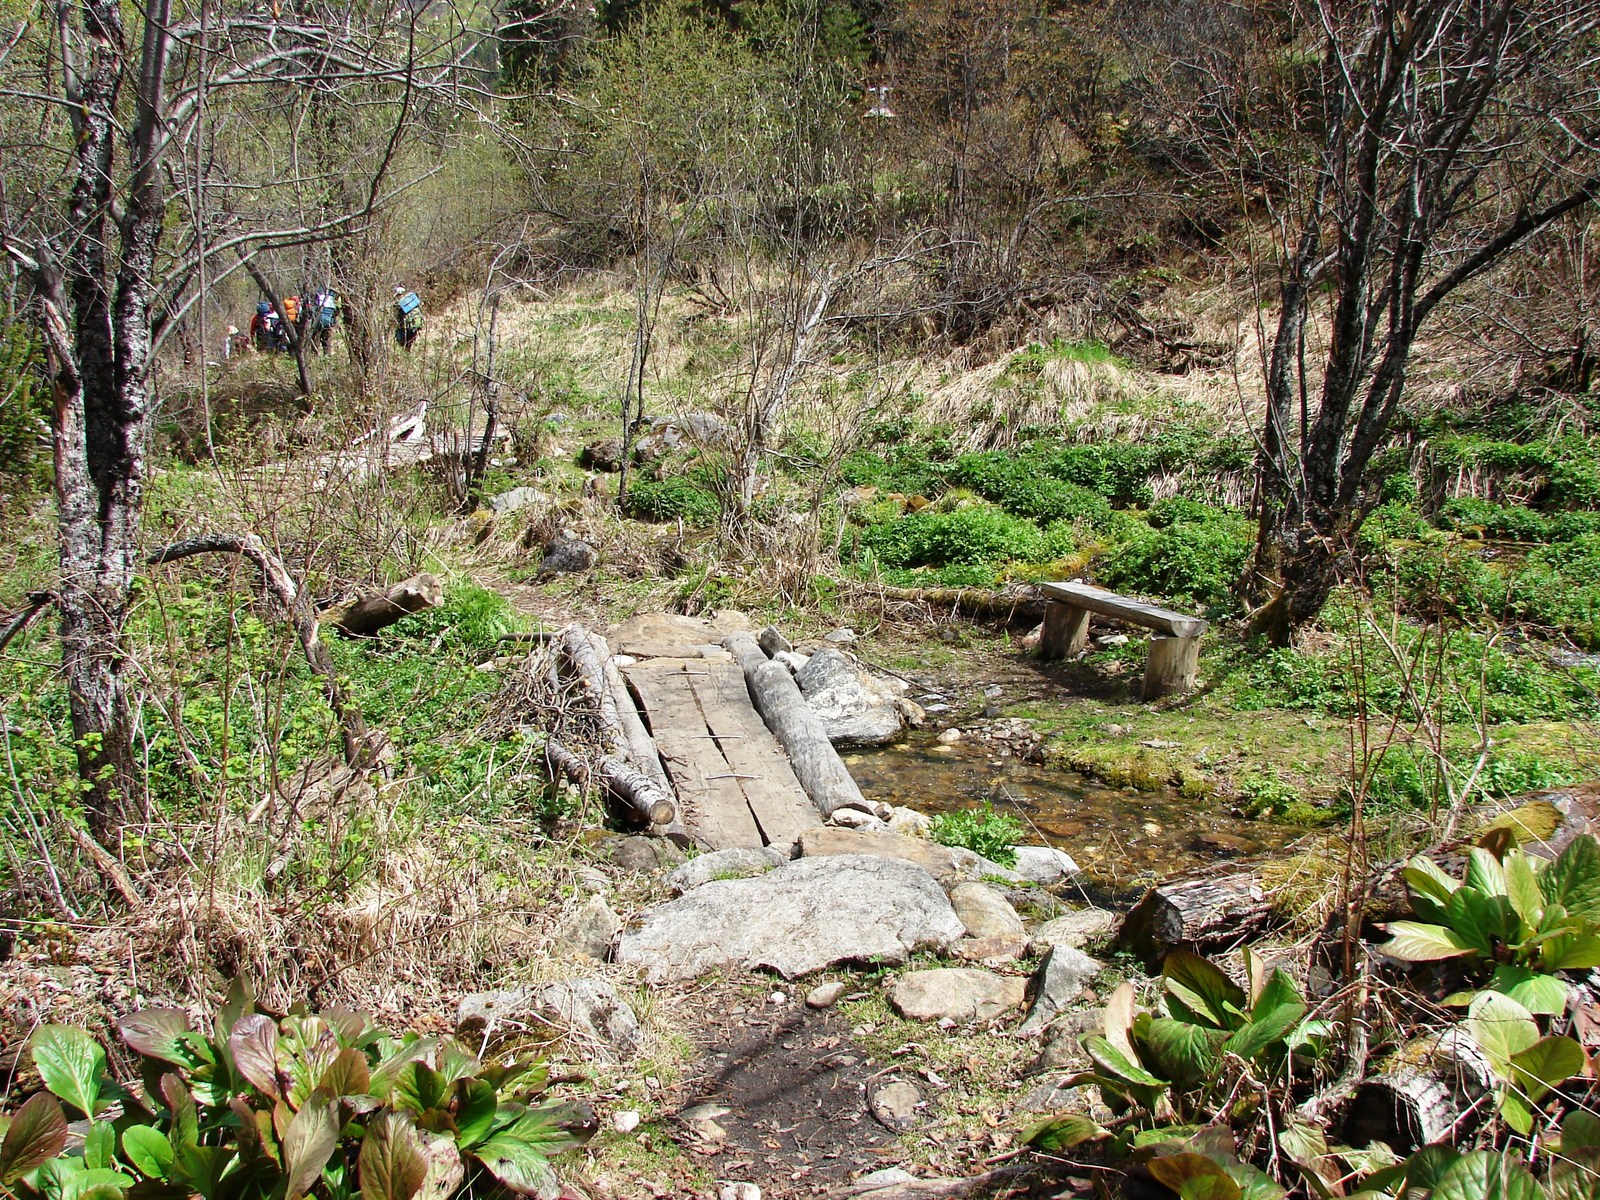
[1109, 604]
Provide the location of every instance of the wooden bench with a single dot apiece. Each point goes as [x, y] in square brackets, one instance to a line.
[1174, 654]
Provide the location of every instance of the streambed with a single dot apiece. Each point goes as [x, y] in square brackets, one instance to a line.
[1122, 838]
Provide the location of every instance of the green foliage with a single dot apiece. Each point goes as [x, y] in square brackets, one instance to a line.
[1511, 521]
[1518, 919]
[1021, 486]
[984, 831]
[24, 401]
[1197, 562]
[907, 468]
[325, 1105]
[970, 534]
[676, 498]
[1395, 521]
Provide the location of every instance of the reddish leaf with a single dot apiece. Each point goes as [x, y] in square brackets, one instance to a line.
[38, 1133]
[254, 1046]
[392, 1163]
[308, 1144]
[157, 1032]
[347, 1075]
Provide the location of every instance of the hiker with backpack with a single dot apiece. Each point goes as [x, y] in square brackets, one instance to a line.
[266, 330]
[407, 316]
[324, 312]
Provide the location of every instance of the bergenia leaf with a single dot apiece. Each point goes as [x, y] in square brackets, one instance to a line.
[1203, 989]
[1412, 941]
[1522, 889]
[1502, 1028]
[148, 1150]
[253, 1042]
[392, 1163]
[157, 1032]
[1062, 1133]
[71, 1064]
[348, 1075]
[1573, 879]
[1547, 1064]
[308, 1144]
[37, 1133]
[1484, 872]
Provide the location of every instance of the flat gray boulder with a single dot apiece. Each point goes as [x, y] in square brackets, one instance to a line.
[1045, 864]
[855, 708]
[596, 1018]
[1060, 980]
[798, 918]
[738, 862]
[1076, 928]
[960, 993]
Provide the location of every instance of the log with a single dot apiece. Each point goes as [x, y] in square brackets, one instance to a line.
[372, 613]
[637, 790]
[777, 698]
[1171, 666]
[1196, 914]
[1066, 631]
[1431, 1090]
[1016, 606]
[1125, 608]
[936, 1189]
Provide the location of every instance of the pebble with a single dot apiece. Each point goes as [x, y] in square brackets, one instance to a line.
[625, 1121]
[895, 1104]
[777, 998]
[949, 737]
[705, 1112]
[825, 995]
[738, 1191]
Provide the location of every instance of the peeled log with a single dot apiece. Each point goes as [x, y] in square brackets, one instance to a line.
[1171, 667]
[777, 698]
[1427, 1092]
[1196, 914]
[366, 616]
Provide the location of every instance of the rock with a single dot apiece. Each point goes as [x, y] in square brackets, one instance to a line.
[912, 713]
[1051, 1096]
[948, 737]
[625, 1121]
[895, 1104]
[826, 995]
[791, 661]
[478, 1012]
[821, 841]
[888, 1177]
[854, 818]
[798, 918]
[971, 865]
[591, 930]
[772, 642]
[990, 949]
[1112, 639]
[516, 498]
[739, 1191]
[737, 863]
[591, 880]
[567, 555]
[590, 1008]
[908, 822]
[1045, 864]
[1062, 1049]
[855, 708]
[602, 455]
[1060, 980]
[959, 993]
[1076, 929]
[985, 912]
[645, 854]
[841, 637]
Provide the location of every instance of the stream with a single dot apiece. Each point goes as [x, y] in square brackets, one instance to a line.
[1122, 838]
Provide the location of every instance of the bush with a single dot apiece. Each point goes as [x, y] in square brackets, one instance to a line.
[24, 401]
[1021, 486]
[1198, 562]
[676, 498]
[973, 534]
[1395, 521]
[983, 831]
[1497, 520]
[909, 469]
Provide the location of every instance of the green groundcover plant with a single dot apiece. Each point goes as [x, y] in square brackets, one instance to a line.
[263, 1108]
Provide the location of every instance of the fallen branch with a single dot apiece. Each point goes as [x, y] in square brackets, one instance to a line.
[280, 584]
[372, 613]
[106, 863]
[37, 603]
[1021, 605]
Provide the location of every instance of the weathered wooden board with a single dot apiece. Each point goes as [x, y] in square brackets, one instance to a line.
[780, 805]
[733, 781]
[1110, 604]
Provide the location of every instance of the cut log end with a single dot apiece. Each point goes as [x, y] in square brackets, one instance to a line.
[367, 616]
[1196, 914]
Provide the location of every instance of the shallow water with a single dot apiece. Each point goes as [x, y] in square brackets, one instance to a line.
[1122, 838]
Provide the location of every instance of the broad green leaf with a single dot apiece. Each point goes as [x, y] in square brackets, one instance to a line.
[1178, 1136]
[148, 1150]
[354, 1030]
[347, 1075]
[1202, 989]
[253, 1042]
[1423, 1170]
[1514, 1110]
[1580, 1130]
[1307, 1147]
[1567, 952]
[71, 1063]
[456, 1063]
[475, 1107]
[239, 1000]
[37, 1134]
[203, 1167]
[522, 1078]
[1484, 872]
[185, 1129]
[1111, 1060]
[1255, 975]
[388, 1070]
[309, 1143]
[1574, 1172]
[1539, 993]
[1482, 920]
[1502, 1028]
[69, 1179]
[1195, 1177]
[1522, 889]
[418, 1088]
[1546, 1064]
[1254, 1183]
[1184, 1053]
[1573, 879]
[1424, 877]
[517, 1154]
[392, 1163]
[1277, 1012]
[158, 1032]
[1412, 941]
[99, 1146]
[1486, 1175]
[1062, 1133]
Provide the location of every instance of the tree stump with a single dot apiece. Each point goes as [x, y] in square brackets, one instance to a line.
[1426, 1093]
[1196, 914]
[1171, 666]
[1066, 631]
[372, 613]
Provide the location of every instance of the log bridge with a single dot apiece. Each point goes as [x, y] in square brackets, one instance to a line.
[1174, 652]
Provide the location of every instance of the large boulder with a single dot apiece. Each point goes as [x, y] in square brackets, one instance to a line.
[857, 709]
[985, 912]
[798, 918]
[589, 1009]
[736, 862]
[1045, 864]
[1060, 980]
[950, 865]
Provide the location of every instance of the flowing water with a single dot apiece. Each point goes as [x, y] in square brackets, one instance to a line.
[1123, 839]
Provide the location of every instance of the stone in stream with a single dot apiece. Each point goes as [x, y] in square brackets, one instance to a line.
[798, 918]
[1076, 929]
[1060, 980]
[1044, 864]
[854, 818]
[589, 931]
[739, 862]
[855, 708]
[910, 823]
[957, 993]
[985, 912]
[950, 865]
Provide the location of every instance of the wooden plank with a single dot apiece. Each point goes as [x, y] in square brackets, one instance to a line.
[780, 805]
[1109, 604]
[713, 804]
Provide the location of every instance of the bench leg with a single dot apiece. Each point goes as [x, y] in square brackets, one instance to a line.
[1171, 666]
[1065, 632]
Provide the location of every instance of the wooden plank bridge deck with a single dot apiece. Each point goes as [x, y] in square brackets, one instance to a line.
[734, 784]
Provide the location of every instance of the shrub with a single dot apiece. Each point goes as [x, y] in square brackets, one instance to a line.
[675, 498]
[24, 411]
[1021, 486]
[910, 469]
[983, 831]
[1496, 520]
[1119, 471]
[1391, 522]
[974, 533]
[1197, 562]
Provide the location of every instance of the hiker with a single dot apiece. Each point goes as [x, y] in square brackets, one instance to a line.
[324, 312]
[266, 330]
[407, 316]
